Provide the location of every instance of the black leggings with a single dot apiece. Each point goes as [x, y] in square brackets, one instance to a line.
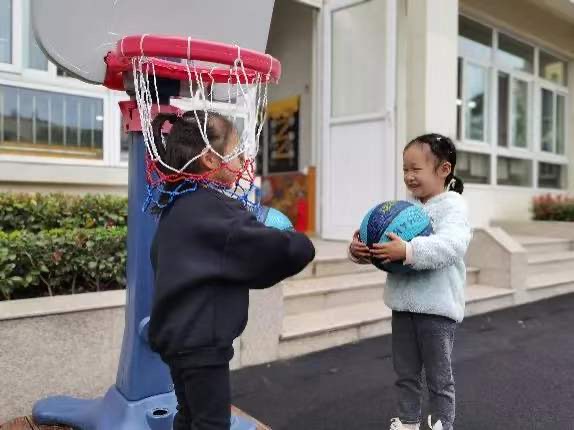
[203, 397]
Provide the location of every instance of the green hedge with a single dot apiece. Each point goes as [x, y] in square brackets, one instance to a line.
[553, 208]
[52, 211]
[61, 261]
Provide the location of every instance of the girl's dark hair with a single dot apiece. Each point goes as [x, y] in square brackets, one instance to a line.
[185, 141]
[444, 150]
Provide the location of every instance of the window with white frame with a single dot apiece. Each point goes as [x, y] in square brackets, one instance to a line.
[36, 122]
[511, 110]
[43, 112]
[5, 31]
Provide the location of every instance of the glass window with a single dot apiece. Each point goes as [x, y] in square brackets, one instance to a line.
[560, 124]
[473, 168]
[5, 31]
[459, 99]
[42, 119]
[71, 135]
[124, 144]
[553, 69]
[515, 54]
[520, 113]
[357, 34]
[26, 135]
[36, 58]
[503, 108]
[547, 121]
[514, 171]
[45, 123]
[551, 176]
[474, 39]
[475, 84]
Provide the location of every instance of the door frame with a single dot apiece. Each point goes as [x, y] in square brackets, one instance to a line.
[387, 114]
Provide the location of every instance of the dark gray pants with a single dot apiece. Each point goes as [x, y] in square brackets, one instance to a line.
[419, 341]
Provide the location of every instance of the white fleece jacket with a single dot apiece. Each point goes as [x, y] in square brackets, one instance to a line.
[437, 285]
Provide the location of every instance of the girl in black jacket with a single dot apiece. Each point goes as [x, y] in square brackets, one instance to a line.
[207, 253]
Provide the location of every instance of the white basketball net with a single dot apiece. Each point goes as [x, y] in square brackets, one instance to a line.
[243, 100]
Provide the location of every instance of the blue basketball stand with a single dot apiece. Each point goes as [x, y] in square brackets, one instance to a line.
[142, 397]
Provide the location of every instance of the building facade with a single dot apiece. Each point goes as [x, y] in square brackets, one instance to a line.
[369, 75]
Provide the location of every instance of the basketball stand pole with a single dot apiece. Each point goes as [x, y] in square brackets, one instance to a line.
[142, 397]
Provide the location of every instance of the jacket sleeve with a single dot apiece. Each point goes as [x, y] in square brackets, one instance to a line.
[259, 257]
[448, 243]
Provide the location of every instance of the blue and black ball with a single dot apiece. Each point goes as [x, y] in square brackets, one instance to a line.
[402, 218]
[273, 218]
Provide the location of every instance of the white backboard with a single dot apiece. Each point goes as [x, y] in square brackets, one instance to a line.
[77, 34]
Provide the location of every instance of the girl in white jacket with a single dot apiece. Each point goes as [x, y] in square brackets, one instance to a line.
[429, 303]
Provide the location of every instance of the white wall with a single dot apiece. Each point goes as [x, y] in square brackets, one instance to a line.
[291, 42]
[486, 203]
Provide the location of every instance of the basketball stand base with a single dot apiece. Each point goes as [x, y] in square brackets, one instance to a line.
[114, 411]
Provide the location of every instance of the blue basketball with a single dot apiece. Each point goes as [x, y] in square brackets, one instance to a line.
[404, 219]
[273, 218]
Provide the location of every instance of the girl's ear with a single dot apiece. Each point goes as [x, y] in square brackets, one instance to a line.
[445, 169]
[210, 161]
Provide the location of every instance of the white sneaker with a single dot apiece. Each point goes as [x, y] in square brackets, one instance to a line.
[396, 424]
[437, 425]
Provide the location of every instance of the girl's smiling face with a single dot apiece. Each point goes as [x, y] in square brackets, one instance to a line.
[423, 175]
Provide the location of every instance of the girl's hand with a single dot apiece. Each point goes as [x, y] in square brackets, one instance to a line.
[358, 249]
[395, 250]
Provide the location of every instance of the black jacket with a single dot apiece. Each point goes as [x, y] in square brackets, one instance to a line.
[207, 253]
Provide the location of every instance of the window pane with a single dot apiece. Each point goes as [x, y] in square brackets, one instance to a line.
[560, 124]
[99, 128]
[473, 168]
[513, 171]
[36, 58]
[514, 54]
[520, 109]
[57, 120]
[474, 39]
[26, 117]
[357, 65]
[125, 144]
[9, 111]
[551, 176]
[503, 108]
[44, 123]
[459, 99]
[547, 129]
[5, 31]
[72, 121]
[475, 105]
[42, 118]
[553, 69]
[87, 120]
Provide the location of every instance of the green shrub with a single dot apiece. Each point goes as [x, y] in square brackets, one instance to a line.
[553, 208]
[39, 212]
[61, 261]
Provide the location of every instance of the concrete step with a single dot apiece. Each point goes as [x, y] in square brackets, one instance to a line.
[550, 263]
[544, 245]
[484, 298]
[472, 275]
[332, 266]
[314, 331]
[319, 293]
[545, 285]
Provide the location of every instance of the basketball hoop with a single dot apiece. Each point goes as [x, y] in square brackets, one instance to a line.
[214, 78]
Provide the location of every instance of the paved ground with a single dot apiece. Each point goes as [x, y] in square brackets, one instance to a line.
[514, 370]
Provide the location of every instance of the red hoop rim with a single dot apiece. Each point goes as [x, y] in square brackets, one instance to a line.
[255, 64]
